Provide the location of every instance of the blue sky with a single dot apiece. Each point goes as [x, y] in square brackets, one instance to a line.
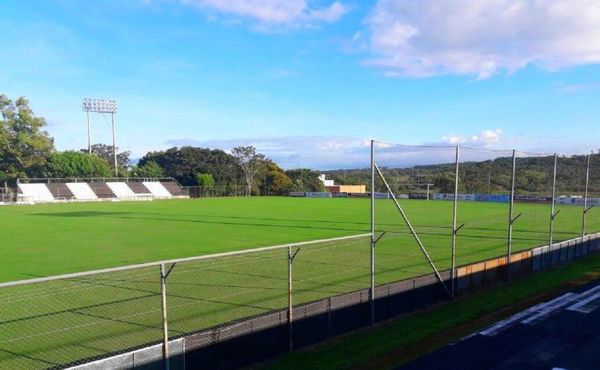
[309, 82]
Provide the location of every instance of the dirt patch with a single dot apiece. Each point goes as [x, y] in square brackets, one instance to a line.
[440, 339]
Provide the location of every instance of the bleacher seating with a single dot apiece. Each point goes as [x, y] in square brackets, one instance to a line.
[173, 188]
[37, 193]
[52, 190]
[121, 190]
[81, 191]
[157, 189]
[60, 191]
[102, 190]
[138, 187]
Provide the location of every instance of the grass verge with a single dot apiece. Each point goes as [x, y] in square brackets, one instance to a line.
[396, 342]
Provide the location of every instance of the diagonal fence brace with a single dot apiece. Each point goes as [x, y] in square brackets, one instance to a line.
[555, 214]
[588, 209]
[516, 218]
[292, 256]
[379, 237]
[458, 228]
[412, 231]
[166, 275]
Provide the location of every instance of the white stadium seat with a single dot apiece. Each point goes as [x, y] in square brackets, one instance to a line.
[36, 193]
[157, 189]
[82, 191]
[121, 190]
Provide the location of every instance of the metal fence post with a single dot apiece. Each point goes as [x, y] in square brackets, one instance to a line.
[553, 206]
[454, 230]
[290, 302]
[163, 292]
[511, 220]
[585, 197]
[372, 268]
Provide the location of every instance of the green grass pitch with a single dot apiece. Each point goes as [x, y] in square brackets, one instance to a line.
[50, 324]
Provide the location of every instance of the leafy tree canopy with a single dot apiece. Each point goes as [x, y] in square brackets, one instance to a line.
[76, 164]
[24, 145]
[275, 181]
[106, 152]
[184, 163]
[205, 179]
[304, 179]
[149, 169]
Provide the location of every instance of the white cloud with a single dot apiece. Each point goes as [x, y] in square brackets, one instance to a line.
[330, 152]
[453, 139]
[486, 138]
[317, 152]
[338, 152]
[274, 13]
[482, 37]
[575, 88]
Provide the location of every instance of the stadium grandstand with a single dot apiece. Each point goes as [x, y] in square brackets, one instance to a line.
[49, 190]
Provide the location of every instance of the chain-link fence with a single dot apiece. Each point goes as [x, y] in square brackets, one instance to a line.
[73, 320]
[64, 321]
[215, 191]
[458, 205]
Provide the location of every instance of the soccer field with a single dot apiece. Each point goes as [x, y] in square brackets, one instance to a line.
[52, 239]
[50, 324]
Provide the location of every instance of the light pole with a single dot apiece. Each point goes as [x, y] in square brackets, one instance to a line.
[102, 106]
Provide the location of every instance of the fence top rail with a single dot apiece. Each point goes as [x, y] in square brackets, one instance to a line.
[178, 260]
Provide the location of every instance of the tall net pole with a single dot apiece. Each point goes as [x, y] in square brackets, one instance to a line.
[511, 219]
[372, 290]
[290, 302]
[454, 230]
[114, 139]
[585, 196]
[89, 132]
[163, 295]
[553, 204]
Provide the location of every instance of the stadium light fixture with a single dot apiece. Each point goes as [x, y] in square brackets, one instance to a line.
[101, 106]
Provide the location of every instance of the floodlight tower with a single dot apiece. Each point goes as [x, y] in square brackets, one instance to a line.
[102, 106]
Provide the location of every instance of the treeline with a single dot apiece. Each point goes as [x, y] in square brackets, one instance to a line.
[192, 166]
[27, 151]
[534, 175]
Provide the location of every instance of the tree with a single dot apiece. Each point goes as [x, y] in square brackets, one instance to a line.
[250, 162]
[304, 179]
[184, 163]
[75, 164]
[276, 182]
[24, 145]
[106, 152]
[205, 180]
[445, 183]
[149, 169]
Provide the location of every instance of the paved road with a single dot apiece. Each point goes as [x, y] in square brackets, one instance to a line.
[563, 333]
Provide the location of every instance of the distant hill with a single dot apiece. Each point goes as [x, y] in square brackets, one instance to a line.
[533, 176]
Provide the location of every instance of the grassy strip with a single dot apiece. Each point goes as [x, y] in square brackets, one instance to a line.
[361, 349]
